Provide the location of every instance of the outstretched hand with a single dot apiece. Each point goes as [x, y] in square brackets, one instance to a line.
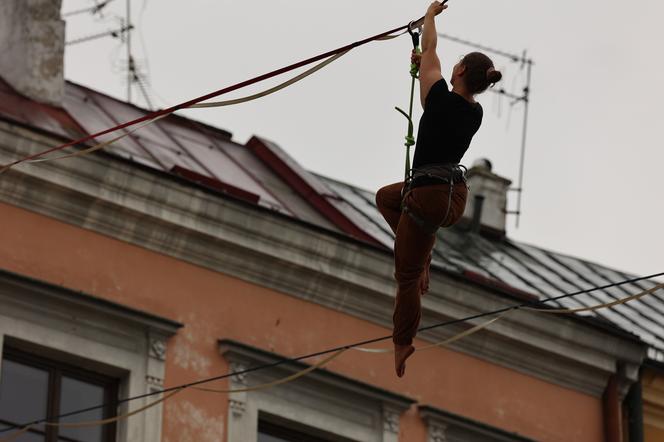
[436, 8]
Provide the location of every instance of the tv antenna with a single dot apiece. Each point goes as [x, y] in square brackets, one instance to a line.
[527, 63]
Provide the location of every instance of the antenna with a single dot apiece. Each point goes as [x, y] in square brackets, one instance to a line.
[130, 59]
[525, 97]
[97, 8]
[134, 74]
[115, 33]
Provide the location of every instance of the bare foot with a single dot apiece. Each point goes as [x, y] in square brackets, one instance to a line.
[401, 353]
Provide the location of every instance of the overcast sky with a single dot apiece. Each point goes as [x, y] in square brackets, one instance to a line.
[593, 175]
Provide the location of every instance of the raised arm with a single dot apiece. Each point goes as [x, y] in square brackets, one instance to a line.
[430, 71]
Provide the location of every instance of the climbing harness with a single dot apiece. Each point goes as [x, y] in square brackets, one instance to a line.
[432, 174]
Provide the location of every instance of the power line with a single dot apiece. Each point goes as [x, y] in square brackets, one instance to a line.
[336, 349]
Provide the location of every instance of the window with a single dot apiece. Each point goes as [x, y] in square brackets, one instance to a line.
[32, 388]
[320, 407]
[271, 432]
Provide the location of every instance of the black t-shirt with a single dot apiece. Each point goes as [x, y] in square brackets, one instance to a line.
[446, 127]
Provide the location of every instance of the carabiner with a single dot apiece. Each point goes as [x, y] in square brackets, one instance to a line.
[414, 35]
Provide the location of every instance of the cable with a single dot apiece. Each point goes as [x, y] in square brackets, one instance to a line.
[442, 343]
[94, 423]
[346, 347]
[135, 128]
[210, 95]
[278, 382]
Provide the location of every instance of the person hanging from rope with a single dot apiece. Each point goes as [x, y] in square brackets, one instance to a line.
[434, 193]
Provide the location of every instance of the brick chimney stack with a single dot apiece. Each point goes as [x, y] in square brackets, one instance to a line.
[32, 43]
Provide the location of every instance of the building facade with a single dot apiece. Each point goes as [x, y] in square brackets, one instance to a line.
[179, 254]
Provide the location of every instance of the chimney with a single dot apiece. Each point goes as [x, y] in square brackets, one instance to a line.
[487, 202]
[32, 43]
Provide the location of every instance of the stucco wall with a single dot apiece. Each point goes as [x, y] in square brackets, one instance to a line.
[213, 306]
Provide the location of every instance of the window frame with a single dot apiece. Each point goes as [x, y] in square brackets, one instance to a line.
[283, 428]
[56, 369]
[95, 333]
[294, 402]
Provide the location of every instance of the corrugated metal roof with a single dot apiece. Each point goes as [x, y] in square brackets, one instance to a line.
[264, 174]
[532, 270]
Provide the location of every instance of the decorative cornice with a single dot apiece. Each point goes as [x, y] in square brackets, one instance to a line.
[240, 380]
[444, 426]
[391, 421]
[158, 349]
[238, 407]
[26, 290]
[154, 381]
[437, 432]
[241, 355]
[163, 214]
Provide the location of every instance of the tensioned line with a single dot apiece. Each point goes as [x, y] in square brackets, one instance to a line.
[342, 348]
[192, 102]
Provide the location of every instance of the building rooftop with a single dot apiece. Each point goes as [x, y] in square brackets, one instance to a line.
[262, 173]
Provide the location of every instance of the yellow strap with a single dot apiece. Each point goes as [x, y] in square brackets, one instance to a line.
[12, 437]
[206, 105]
[290, 378]
[600, 306]
[96, 147]
[390, 37]
[447, 341]
[115, 418]
[109, 420]
[272, 90]
[466, 333]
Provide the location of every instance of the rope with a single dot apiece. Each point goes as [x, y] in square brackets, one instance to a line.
[600, 306]
[361, 343]
[93, 423]
[466, 333]
[441, 343]
[282, 381]
[186, 104]
[272, 90]
[99, 146]
[414, 71]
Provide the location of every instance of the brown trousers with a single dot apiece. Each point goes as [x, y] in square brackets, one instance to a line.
[412, 245]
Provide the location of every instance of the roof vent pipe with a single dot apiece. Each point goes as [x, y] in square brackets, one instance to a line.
[476, 222]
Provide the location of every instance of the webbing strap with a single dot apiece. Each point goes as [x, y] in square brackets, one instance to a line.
[235, 101]
[414, 74]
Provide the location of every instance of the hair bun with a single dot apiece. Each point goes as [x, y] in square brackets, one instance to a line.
[493, 76]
